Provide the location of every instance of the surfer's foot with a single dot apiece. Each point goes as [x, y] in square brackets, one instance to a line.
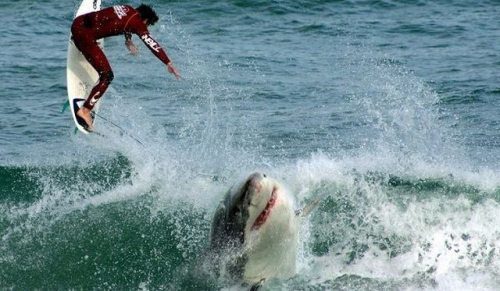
[84, 113]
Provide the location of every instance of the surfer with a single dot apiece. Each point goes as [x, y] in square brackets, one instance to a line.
[120, 19]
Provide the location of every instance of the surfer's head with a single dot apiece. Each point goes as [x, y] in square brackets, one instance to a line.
[148, 14]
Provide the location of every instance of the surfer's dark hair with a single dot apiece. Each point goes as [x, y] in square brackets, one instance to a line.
[147, 13]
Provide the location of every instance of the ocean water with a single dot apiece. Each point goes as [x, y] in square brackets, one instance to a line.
[389, 110]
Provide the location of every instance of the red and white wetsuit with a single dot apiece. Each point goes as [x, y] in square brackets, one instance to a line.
[116, 20]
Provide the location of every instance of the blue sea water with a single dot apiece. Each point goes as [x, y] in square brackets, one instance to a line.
[388, 109]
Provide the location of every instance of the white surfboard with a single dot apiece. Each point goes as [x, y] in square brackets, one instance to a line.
[80, 75]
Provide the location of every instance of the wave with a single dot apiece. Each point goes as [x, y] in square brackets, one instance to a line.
[129, 229]
[402, 206]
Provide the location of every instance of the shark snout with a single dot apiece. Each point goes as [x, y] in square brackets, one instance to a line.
[255, 182]
[254, 187]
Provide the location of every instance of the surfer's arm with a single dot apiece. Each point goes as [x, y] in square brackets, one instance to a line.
[130, 44]
[157, 50]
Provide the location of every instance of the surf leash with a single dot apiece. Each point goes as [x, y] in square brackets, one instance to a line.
[120, 128]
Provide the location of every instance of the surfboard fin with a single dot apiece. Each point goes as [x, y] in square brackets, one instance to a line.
[65, 106]
[306, 210]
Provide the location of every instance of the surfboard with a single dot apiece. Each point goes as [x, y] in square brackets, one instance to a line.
[80, 75]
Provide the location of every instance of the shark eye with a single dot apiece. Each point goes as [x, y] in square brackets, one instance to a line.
[265, 176]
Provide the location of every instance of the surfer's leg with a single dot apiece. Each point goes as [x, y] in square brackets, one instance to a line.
[98, 60]
[95, 56]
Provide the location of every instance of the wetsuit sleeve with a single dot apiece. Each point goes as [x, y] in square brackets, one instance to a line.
[138, 27]
[154, 47]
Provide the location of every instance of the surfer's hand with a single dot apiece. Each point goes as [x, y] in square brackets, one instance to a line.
[173, 70]
[131, 47]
